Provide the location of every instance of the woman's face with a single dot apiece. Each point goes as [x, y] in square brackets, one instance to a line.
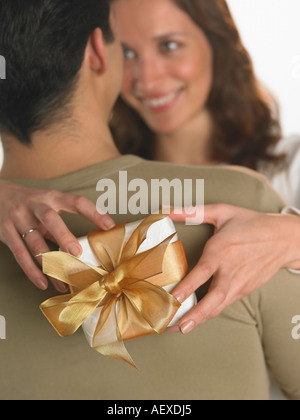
[168, 63]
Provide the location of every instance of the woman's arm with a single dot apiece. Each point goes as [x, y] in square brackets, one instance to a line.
[30, 216]
[247, 250]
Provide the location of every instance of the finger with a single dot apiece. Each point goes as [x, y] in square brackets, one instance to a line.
[24, 259]
[214, 214]
[173, 329]
[88, 209]
[75, 204]
[208, 308]
[204, 270]
[49, 237]
[184, 214]
[59, 286]
[37, 246]
[57, 229]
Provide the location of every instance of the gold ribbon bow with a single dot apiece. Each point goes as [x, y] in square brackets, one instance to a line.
[127, 288]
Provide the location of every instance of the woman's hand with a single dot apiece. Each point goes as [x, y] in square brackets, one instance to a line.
[29, 216]
[246, 251]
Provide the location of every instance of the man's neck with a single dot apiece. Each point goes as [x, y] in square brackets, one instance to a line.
[56, 153]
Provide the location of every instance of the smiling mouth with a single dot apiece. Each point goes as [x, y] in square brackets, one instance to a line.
[162, 102]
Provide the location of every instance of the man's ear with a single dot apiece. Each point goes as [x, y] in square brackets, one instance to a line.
[96, 52]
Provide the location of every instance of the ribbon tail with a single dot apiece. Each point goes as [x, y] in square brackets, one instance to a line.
[117, 350]
[107, 338]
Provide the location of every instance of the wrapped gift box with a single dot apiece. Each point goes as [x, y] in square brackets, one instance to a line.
[121, 285]
[158, 232]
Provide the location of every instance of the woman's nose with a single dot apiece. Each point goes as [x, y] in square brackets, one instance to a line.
[149, 74]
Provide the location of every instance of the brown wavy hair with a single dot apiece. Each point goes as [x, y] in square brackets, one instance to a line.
[246, 118]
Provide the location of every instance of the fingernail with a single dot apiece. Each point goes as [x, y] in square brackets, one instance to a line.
[75, 250]
[187, 327]
[61, 287]
[172, 330]
[180, 298]
[108, 223]
[43, 284]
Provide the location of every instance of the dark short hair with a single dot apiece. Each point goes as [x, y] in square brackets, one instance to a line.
[43, 42]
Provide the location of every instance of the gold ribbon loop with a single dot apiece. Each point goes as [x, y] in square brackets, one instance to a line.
[127, 288]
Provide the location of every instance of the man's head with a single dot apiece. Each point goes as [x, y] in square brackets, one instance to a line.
[44, 43]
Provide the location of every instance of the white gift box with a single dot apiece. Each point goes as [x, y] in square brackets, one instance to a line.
[157, 233]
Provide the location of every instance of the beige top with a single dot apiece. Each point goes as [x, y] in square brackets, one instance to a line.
[222, 359]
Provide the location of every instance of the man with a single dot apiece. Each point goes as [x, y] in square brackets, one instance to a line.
[64, 66]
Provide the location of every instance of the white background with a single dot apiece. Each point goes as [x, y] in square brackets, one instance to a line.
[271, 32]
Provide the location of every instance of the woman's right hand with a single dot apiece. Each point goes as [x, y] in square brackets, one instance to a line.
[36, 212]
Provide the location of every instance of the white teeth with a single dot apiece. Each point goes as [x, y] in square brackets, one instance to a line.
[159, 102]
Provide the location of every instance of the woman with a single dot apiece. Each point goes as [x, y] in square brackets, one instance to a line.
[189, 96]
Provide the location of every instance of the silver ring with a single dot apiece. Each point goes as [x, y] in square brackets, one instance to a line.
[28, 232]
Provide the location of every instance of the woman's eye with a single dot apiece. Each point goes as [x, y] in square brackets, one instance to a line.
[128, 54]
[170, 46]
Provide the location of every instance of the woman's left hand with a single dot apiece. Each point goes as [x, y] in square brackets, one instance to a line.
[246, 251]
